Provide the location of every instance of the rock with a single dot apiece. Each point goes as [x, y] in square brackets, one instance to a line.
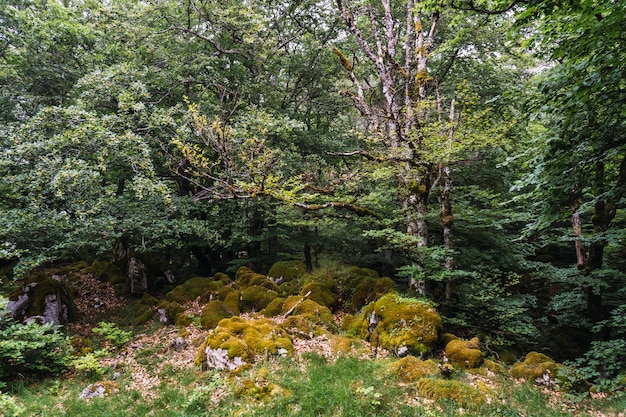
[218, 359]
[138, 276]
[99, 390]
[465, 353]
[46, 300]
[178, 344]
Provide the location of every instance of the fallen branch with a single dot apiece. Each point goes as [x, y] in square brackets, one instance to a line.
[296, 305]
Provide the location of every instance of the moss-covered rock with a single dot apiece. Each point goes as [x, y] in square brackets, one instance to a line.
[214, 312]
[106, 271]
[144, 309]
[244, 339]
[46, 297]
[253, 279]
[402, 325]
[256, 298]
[232, 301]
[347, 280]
[465, 353]
[320, 293]
[534, 366]
[445, 389]
[445, 338]
[192, 289]
[297, 305]
[274, 307]
[287, 270]
[168, 311]
[410, 368]
[369, 290]
[304, 326]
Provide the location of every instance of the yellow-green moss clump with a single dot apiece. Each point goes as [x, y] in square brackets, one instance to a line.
[274, 307]
[306, 318]
[214, 312]
[287, 270]
[402, 325]
[239, 340]
[465, 353]
[410, 368]
[370, 289]
[192, 289]
[320, 293]
[296, 305]
[535, 365]
[457, 391]
[256, 298]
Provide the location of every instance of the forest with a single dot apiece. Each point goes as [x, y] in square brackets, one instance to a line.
[414, 205]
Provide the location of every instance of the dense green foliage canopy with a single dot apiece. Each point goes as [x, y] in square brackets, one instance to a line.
[471, 150]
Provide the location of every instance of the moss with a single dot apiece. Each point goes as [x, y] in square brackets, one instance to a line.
[347, 281]
[345, 344]
[232, 301]
[347, 321]
[495, 367]
[465, 353]
[259, 389]
[319, 293]
[106, 271]
[274, 307]
[410, 368]
[242, 271]
[171, 309]
[304, 326]
[191, 289]
[534, 366]
[446, 338]
[222, 277]
[213, 313]
[143, 309]
[256, 298]
[246, 338]
[288, 288]
[184, 320]
[40, 285]
[401, 323]
[370, 289]
[305, 306]
[143, 317]
[287, 270]
[457, 391]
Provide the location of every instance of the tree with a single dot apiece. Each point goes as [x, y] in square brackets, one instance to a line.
[420, 112]
[580, 163]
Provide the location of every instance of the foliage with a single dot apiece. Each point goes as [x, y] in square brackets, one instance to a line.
[112, 333]
[89, 366]
[10, 407]
[604, 364]
[30, 348]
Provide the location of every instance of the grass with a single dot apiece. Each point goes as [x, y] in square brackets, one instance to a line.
[312, 387]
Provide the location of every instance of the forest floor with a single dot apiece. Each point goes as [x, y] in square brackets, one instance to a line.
[154, 374]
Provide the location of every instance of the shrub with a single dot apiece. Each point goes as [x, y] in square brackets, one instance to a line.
[31, 347]
[116, 336]
[10, 407]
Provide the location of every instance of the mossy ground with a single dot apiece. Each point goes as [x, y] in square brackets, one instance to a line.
[330, 374]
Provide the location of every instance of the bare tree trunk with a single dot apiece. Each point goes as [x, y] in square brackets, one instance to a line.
[399, 116]
[578, 244]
